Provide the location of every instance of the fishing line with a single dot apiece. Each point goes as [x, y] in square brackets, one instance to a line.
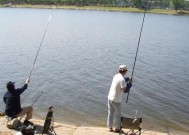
[136, 52]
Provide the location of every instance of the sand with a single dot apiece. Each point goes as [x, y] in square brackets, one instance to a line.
[64, 129]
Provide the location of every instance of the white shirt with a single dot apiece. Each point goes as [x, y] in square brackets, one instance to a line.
[115, 93]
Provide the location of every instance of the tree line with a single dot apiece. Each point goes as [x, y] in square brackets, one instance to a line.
[176, 4]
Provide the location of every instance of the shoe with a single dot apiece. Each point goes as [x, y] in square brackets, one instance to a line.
[26, 122]
[118, 131]
[111, 130]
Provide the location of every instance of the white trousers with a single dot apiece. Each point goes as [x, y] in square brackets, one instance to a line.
[114, 107]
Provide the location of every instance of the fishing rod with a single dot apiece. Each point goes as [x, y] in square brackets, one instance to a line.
[37, 56]
[38, 53]
[39, 47]
[136, 52]
[37, 98]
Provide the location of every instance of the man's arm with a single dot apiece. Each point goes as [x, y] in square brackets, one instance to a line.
[123, 85]
[128, 84]
[23, 88]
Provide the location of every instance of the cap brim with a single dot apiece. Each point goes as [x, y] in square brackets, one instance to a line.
[122, 69]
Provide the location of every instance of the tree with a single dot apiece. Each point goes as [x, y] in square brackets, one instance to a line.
[178, 4]
[141, 3]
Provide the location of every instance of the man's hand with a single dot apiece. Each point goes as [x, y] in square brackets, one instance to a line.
[128, 79]
[27, 81]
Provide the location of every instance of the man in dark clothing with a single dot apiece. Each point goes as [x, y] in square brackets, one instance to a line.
[12, 101]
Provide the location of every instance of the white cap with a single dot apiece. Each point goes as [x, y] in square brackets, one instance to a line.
[122, 68]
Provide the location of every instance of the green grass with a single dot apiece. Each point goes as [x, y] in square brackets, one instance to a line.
[124, 9]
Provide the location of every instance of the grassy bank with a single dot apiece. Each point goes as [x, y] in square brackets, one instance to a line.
[124, 9]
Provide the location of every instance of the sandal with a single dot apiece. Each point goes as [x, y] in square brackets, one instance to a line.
[111, 130]
[117, 130]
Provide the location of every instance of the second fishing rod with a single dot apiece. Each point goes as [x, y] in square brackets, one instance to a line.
[137, 51]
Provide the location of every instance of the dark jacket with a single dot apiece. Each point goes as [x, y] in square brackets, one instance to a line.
[12, 101]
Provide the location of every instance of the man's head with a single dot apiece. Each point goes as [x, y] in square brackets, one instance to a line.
[10, 86]
[123, 69]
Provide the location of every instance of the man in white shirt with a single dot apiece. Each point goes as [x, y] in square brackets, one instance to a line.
[115, 97]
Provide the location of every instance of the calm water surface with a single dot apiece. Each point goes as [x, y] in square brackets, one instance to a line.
[81, 53]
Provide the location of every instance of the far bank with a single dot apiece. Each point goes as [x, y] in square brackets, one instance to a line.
[122, 9]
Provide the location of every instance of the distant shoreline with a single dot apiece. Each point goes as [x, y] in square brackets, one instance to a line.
[123, 9]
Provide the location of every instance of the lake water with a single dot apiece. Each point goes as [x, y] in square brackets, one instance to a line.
[80, 54]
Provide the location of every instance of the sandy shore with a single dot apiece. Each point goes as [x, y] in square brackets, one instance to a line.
[64, 129]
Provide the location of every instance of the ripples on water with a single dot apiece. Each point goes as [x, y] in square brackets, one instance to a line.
[82, 51]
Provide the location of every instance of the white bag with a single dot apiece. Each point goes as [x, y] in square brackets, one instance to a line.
[13, 123]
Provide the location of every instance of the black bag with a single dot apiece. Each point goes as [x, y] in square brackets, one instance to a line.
[26, 131]
[28, 128]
